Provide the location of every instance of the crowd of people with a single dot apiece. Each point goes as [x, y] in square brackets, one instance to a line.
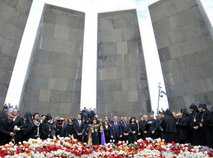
[195, 127]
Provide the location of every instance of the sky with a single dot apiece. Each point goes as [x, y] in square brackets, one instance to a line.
[208, 6]
[91, 8]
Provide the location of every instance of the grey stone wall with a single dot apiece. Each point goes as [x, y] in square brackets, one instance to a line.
[13, 17]
[121, 76]
[186, 51]
[53, 84]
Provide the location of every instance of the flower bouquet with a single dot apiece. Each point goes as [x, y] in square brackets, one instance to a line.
[71, 148]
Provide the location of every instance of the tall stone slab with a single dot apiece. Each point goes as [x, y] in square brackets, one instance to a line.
[53, 83]
[121, 76]
[185, 48]
[13, 17]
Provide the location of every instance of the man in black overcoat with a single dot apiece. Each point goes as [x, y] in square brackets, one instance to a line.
[182, 125]
[6, 127]
[169, 126]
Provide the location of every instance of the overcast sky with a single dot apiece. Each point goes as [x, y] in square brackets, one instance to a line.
[91, 8]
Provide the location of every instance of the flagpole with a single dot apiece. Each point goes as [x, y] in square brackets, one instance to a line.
[159, 92]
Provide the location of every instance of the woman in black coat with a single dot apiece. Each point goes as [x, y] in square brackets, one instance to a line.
[68, 129]
[133, 127]
[18, 129]
[47, 128]
[28, 128]
[95, 129]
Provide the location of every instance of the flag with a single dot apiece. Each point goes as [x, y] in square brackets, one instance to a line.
[162, 93]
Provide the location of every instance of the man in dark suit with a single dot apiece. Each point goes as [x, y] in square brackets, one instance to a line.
[91, 114]
[125, 128]
[79, 128]
[143, 126]
[116, 130]
[84, 114]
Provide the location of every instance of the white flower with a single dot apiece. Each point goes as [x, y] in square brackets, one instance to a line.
[188, 154]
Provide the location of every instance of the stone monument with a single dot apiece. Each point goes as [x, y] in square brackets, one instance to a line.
[53, 83]
[13, 18]
[121, 75]
[185, 48]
